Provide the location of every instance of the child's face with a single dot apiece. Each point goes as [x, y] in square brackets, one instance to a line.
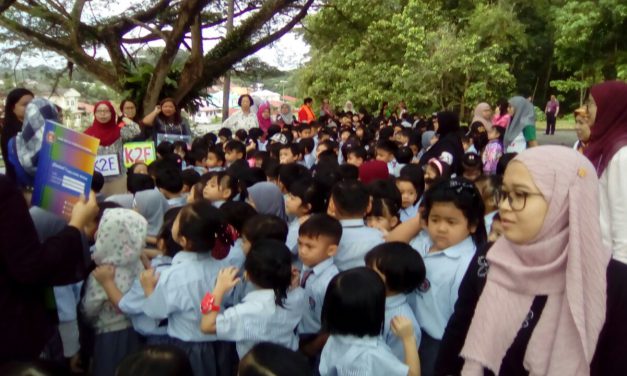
[384, 156]
[231, 156]
[354, 160]
[286, 156]
[582, 127]
[212, 190]
[382, 223]
[447, 225]
[431, 173]
[294, 205]
[496, 231]
[313, 251]
[522, 220]
[305, 133]
[408, 193]
[212, 161]
[321, 148]
[179, 151]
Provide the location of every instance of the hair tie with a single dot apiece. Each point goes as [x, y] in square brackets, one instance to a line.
[224, 241]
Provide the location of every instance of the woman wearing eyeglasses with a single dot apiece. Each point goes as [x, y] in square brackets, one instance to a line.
[607, 149]
[547, 299]
[111, 135]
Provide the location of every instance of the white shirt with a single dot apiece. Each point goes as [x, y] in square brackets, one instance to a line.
[315, 289]
[518, 144]
[258, 319]
[613, 201]
[344, 355]
[435, 299]
[292, 236]
[357, 240]
[239, 120]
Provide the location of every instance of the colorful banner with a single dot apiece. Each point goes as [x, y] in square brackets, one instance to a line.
[135, 152]
[65, 168]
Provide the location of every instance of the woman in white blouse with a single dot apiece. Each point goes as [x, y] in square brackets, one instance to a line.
[244, 118]
[607, 112]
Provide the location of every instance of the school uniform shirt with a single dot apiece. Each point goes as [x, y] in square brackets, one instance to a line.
[218, 203]
[397, 306]
[310, 160]
[421, 240]
[394, 168]
[132, 303]
[177, 201]
[357, 239]
[409, 213]
[435, 299]
[292, 236]
[236, 256]
[345, 355]
[488, 219]
[315, 282]
[258, 319]
[178, 294]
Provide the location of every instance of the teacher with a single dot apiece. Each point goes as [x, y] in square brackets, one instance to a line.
[166, 120]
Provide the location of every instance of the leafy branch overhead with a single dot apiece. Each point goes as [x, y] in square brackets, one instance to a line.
[80, 31]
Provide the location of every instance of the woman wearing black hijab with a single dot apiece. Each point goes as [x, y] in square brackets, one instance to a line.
[449, 146]
[14, 109]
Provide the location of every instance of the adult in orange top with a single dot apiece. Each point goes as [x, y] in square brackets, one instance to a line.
[306, 114]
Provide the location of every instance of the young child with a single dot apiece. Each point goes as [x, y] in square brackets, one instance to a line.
[353, 314]
[157, 360]
[190, 178]
[383, 214]
[318, 238]
[307, 146]
[198, 159]
[306, 196]
[271, 359]
[489, 186]
[169, 181]
[233, 151]
[493, 150]
[221, 187]
[263, 315]
[289, 154]
[385, 152]
[119, 243]
[236, 214]
[402, 271]
[349, 204]
[176, 293]
[471, 163]
[411, 184]
[454, 215]
[497, 229]
[152, 206]
[356, 156]
[215, 160]
[435, 170]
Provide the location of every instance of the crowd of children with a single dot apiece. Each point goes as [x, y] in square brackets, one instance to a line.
[330, 249]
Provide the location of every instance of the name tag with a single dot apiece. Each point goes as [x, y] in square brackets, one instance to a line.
[107, 165]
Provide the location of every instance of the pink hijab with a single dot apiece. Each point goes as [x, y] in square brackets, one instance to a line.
[264, 124]
[567, 262]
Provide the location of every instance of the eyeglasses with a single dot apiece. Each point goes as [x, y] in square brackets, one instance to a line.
[517, 200]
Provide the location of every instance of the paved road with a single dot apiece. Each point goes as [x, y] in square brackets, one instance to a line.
[566, 137]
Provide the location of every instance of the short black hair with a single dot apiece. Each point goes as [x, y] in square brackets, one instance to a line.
[226, 133]
[294, 149]
[388, 146]
[358, 152]
[269, 266]
[291, 172]
[311, 192]
[402, 266]
[168, 178]
[97, 182]
[237, 146]
[218, 153]
[201, 224]
[466, 197]
[165, 148]
[382, 206]
[239, 100]
[269, 358]
[237, 213]
[321, 225]
[351, 198]
[180, 144]
[349, 172]
[354, 304]
[404, 155]
[139, 182]
[414, 174]
[306, 145]
[385, 188]
[190, 177]
[210, 138]
[265, 226]
[503, 162]
[131, 170]
[197, 154]
[162, 360]
[165, 233]
[308, 100]
[241, 134]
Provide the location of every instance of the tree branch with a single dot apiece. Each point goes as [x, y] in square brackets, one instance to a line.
[124, 24]
[6, 4]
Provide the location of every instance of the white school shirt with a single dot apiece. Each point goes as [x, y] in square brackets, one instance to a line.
[613, 200]
[315, 289]
[397, 306]
[292, 236]
[435, 299]
[180, 290]
[488, 219]
[236, 256]
[132, 303]
[357, 239]
[345, 355]
[409, 213]
[258, 319]
[239, 120]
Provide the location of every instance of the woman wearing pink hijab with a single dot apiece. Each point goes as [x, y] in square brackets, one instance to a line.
[263, 117]
[547, 299]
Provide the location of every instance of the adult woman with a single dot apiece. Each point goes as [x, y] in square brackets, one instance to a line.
[521, 132]
[348, 107]
[547, 299]
[582, 127]
[263, 117]
[502, 117]
[483, 114]
[128, 111]
[607, 111]
[166, 120]
[105, 128]
[449, 146]
[286, 117]
[14, 109]
[244, 118]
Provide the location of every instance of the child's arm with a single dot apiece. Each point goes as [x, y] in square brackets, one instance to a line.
[406, 231]
[403, 328]
[227, 279]
[148, 279]
[314, 346]
[105, 275]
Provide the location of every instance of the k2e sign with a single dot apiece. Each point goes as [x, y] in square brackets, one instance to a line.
[107, 165]
[135, 152]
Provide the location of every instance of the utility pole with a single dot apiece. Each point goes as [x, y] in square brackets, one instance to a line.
[226, 98]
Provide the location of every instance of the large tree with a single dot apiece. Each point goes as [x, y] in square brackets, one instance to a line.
[78, 29]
